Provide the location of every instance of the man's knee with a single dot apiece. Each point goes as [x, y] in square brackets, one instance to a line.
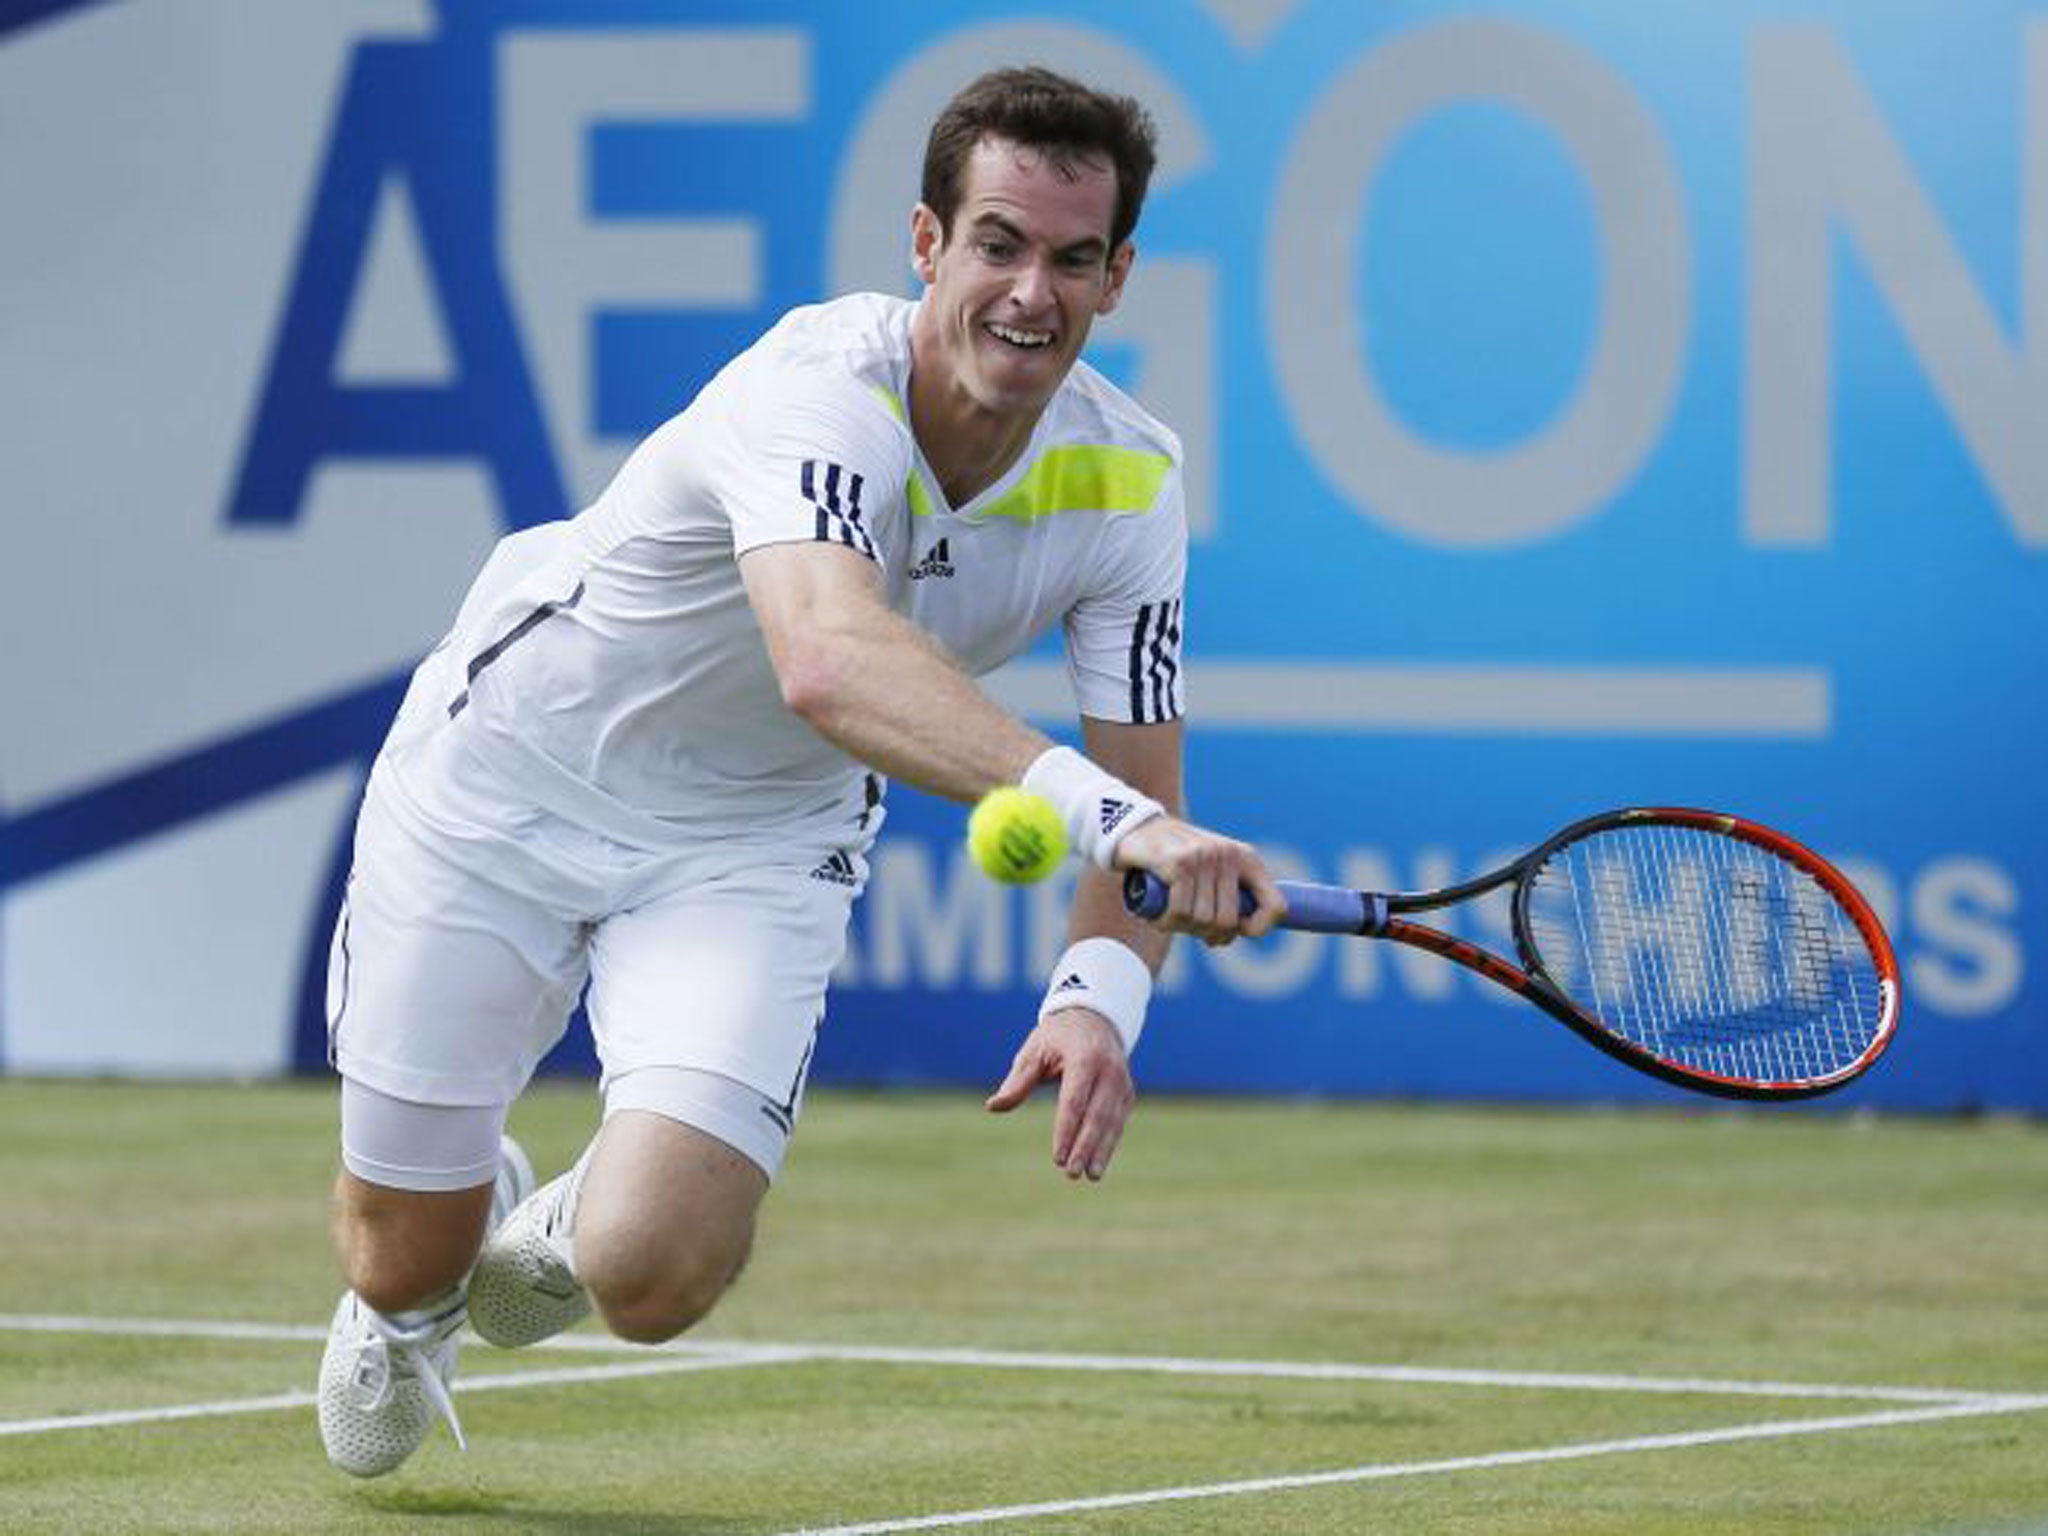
[664, 1223]
[664, 1290]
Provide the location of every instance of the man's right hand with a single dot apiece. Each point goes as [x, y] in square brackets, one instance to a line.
[1204, 870]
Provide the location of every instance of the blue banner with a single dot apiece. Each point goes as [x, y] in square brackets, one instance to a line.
[1585, 405]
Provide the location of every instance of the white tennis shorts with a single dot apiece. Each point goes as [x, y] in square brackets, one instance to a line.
[462, 947]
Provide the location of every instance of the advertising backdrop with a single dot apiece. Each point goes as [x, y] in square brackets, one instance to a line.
[1586, 404]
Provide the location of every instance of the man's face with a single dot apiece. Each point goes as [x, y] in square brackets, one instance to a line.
[1023, 274]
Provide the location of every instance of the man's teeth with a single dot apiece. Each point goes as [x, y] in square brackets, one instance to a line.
[1017, 338]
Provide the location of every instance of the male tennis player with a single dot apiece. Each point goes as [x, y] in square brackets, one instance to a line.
[650, 757]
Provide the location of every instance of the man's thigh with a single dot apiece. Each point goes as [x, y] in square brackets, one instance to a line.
[705, 1003]
[443, 987]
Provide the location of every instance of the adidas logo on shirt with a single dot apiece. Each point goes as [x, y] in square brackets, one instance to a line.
[937, 561]
[837, 870]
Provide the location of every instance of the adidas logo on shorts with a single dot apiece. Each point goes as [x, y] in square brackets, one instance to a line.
[837, 870]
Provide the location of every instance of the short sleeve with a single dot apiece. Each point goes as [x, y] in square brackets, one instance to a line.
[1124, 637]
[814, 455]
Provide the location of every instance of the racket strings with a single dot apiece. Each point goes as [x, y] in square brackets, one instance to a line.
[1708, 952]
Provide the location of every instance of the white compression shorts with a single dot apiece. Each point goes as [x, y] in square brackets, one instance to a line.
[461, 951]
[403, 1145]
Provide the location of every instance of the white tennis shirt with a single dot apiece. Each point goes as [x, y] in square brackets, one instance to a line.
[610, 666]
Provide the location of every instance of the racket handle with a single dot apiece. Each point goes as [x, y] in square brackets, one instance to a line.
[1311, 908]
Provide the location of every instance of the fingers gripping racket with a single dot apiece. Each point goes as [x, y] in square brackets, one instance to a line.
[1700, 948]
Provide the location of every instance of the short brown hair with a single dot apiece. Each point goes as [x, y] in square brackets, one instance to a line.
[1042, 110]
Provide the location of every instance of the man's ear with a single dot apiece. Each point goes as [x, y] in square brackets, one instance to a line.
[926, 239]
[1119, 270]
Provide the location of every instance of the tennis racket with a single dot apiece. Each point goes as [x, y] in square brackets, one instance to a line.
[1700, 948]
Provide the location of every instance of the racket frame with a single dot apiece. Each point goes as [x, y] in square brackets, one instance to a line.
[1539, 987]
[1333, 909]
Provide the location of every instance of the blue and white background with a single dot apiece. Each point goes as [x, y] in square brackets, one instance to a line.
[1587, 404]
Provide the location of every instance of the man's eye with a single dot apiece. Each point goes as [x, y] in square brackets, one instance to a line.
[997, 250]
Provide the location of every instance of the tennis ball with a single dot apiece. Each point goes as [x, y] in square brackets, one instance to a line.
[1015, 836]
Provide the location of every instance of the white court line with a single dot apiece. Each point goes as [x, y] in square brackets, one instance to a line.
[668, 1365]
[162, 1327]
[1413, 1375]
[1777, 1429]
[739, 1352]
[116, 1416]
[1933, 1404]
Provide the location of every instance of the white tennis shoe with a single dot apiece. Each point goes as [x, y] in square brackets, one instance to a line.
[384, 1379]
[524, 1287]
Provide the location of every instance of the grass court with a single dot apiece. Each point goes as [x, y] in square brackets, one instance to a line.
[1273, 1317]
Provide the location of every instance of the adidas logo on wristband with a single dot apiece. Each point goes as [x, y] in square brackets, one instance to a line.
[1097, 807]
[1106, 977]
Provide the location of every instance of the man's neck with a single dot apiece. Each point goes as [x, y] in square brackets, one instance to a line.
[968, 447]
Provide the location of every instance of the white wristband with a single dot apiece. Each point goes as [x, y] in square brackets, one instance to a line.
[1107, 977]
[1099, 808]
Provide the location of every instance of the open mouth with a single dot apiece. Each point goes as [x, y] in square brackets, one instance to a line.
[1015, 336]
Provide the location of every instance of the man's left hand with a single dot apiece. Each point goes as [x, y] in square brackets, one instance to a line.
[1080, 1048]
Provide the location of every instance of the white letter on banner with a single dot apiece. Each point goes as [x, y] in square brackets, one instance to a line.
[1875, 884]
[1960, 903]
[1820, 158]
[1425, 977]
[1491, 926]
[1168, 313]
[561, 261]
[1478, 499]
[919, 935]
[1280, 964]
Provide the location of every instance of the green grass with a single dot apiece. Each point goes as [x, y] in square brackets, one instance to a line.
[1769, 1247]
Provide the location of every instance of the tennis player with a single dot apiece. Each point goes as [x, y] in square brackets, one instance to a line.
[651, 756]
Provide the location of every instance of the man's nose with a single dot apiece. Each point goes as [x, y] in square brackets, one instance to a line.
[1032, 285]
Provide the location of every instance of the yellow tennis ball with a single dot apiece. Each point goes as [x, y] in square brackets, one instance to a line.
[1015, 836]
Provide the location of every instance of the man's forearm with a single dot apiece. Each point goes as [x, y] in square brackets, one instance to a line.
[898, 703]
[1098, 912]
[873, 683]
